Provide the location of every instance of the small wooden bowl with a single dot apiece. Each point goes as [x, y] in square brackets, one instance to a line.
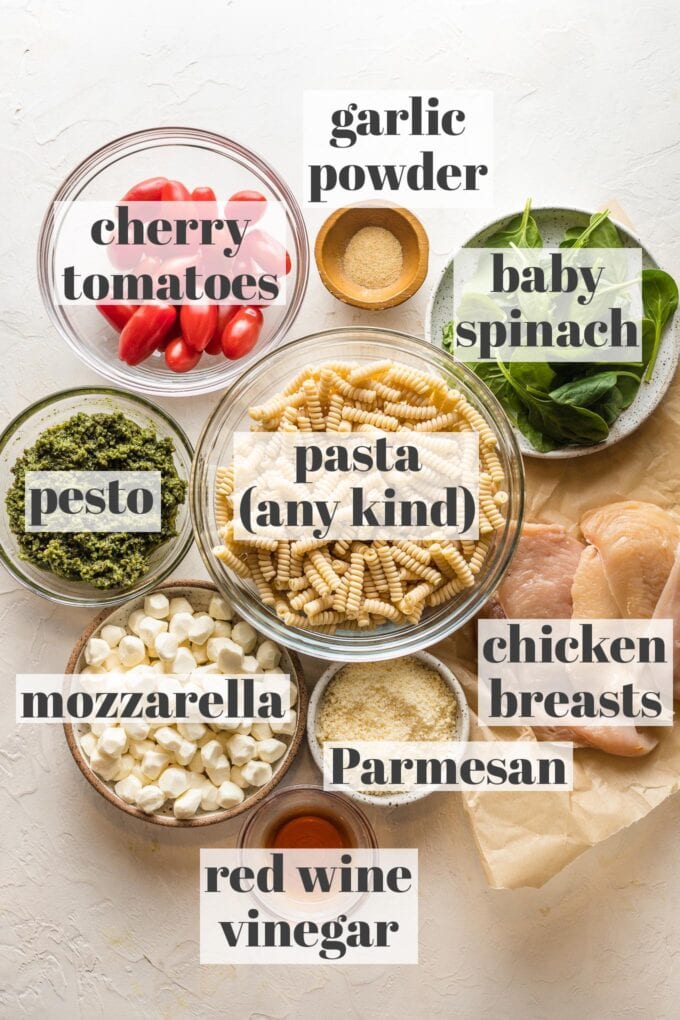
[335, 235]
[176, 589]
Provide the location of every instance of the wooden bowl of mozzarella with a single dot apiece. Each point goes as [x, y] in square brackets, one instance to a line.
[199, 593]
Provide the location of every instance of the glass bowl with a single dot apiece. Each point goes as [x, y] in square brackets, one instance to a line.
[24, 431]
[200, 158]
[260, 383]
[292, 801]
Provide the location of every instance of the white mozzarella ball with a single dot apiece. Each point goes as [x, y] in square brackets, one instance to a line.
[138, 748]
[215, 645]
[288, 728]
[241, 748]
[168, 738]
[237, 778]
[131, 650]
[92, 671]
[136, 729]
[150, 799]
[113, 663]
[154, 762]
[173, 782]
[260, 731]
[210, 797]
[144, 780]
[220, 609]
[96, 651]
[268, 655]
[88, 743]
[186, 752]
[98, 728]
[126, 764]
[270, 750]
[103, 764]
[149, 629]
[222, 629]
[113, 741]
[112, 635]
[256, 773]
[196, 763]
[192, 730]
[201, 628]
[229, 795]
[180, 605]
[211, 753]
[244, 726]
[166, 646]
[200, 653]
[187, 804]
[180, 624]
[128, 789]
[220, 771]
[134, 620]
[229, 655]
[245, 636]
[251, 665]
[184, 662]
[157, 605]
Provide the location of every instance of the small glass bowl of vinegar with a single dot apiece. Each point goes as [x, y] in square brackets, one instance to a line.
[307, 818]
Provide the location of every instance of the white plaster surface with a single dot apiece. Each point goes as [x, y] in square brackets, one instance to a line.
[99, 913]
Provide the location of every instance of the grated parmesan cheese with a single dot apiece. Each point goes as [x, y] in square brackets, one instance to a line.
[402, 699]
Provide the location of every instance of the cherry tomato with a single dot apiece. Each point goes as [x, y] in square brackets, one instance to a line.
[145, 331]
[269, 253]
[198, 324]
[146, 191]
[179, 357]
[117, 315]
[242, 332]
[174, 191]
[257, 205]
[203, 195]
[225, 313]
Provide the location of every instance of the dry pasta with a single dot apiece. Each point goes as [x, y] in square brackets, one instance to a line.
[319, 585]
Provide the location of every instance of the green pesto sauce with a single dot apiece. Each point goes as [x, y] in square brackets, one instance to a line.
[91, 442]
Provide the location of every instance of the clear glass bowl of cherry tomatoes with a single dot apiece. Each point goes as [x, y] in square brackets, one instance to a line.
[169, 347]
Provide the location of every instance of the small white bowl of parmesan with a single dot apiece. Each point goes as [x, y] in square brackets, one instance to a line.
[412, 698]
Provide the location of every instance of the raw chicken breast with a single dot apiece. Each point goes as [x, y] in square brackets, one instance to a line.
[637, 543]
[538, 582]
[668, 608]
[627, 741]
[590, 593]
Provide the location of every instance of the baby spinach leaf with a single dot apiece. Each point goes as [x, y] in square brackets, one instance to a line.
[659, 302]
[521, 231]
[584, 392]
[600, 232]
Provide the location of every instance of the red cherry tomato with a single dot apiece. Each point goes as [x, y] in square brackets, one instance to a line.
[179, 357]
[203, 195]
[163, 345]
[225, 313]
[145, 331]
[198, 324]
[117, 315]
[257, 202]
[269, 253]
[242, 332]
[174, 191]
[146, 191]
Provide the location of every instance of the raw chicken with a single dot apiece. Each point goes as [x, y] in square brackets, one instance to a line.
[538, 582]
[668, 608]
[591, 596]
[637, 543]
[627, 741]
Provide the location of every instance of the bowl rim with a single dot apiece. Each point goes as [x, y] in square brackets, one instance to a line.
[391, 799]
[100, 601]
[566, 452]
[300, 640]
[181, 386]
[209, 818]
[393, 297]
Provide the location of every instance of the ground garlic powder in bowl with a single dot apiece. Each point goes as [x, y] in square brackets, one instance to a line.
[373, 258]
[400, 699]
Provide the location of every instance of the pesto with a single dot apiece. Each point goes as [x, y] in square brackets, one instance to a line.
[90, 442]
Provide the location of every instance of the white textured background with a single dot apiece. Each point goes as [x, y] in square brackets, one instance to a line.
[99, 913]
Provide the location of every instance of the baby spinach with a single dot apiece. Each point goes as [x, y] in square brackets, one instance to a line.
[522, 231]
[659, 301]
[600, 232]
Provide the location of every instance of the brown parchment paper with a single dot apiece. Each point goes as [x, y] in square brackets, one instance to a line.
[526, 838]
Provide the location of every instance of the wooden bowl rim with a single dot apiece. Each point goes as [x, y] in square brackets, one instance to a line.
[398, 296]
[214, 816]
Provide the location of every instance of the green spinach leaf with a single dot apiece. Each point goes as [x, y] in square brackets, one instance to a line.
[659, 302]
[522, 231]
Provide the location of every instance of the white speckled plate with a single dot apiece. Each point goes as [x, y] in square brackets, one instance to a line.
[552, 223]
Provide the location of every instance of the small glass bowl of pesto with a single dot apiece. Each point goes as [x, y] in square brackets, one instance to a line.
[92, 429]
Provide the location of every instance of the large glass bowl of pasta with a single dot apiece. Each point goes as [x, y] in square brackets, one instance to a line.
[358, 600]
